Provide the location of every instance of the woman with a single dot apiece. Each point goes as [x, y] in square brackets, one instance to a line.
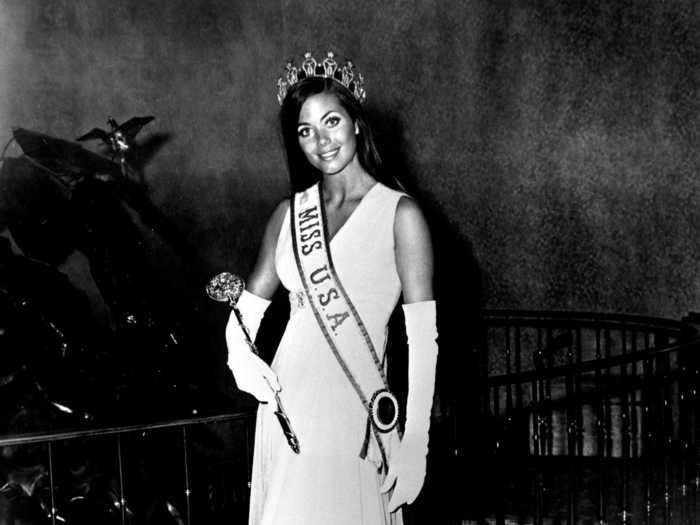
[346, 246]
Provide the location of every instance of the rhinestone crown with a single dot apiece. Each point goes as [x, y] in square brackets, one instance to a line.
[345, 75]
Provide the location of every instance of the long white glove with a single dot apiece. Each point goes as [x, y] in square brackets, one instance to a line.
[252, 374]
[407, 465]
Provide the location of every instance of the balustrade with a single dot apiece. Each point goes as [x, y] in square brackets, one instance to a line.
[180, 472]
[596, 416]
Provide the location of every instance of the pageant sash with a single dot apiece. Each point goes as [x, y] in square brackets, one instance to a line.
[340, 322]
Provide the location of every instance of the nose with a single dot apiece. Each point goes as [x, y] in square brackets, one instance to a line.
[323, 139]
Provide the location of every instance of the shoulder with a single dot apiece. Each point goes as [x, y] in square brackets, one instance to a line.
[391, 190]
[411, 230]
[281, 209]
[279, 212]
[409, 215]
[274, 223]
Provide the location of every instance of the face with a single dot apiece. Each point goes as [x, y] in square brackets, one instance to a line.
[327, 134]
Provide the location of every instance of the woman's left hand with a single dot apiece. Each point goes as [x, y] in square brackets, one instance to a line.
[406, 472]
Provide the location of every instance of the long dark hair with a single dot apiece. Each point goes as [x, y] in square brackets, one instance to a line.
[301, 173]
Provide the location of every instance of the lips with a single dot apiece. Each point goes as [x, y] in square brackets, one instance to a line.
[329, 155]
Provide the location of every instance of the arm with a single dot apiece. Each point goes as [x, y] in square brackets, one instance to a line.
[263, 280]
[252, 374]
[414, 262]
[414, 252]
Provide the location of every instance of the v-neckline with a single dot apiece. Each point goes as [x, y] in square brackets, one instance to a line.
[342, 226]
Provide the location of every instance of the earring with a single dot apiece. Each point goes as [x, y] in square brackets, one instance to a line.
[357, 129]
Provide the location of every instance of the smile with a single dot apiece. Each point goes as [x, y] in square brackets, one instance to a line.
[329, 155]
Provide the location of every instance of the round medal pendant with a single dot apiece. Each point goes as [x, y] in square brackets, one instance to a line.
[384, 410]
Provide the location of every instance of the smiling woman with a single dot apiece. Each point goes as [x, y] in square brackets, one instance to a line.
[347, 246]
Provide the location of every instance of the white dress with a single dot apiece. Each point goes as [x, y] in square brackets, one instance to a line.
[327, 483]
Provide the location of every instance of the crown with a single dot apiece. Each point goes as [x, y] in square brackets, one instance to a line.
[345, 75]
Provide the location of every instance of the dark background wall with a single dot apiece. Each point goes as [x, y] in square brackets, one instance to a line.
[556, 141]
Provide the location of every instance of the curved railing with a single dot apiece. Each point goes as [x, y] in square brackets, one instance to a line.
[594, 416]
[591, 418]
[193, 470]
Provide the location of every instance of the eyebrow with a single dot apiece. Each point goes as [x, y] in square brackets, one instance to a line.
[323, 117]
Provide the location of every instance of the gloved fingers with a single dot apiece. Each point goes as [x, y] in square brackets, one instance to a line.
[254, 376]
[268, 378]
[258, 388]
[263, 392]
[398, 497]
[389, 481]
[265, 396]
[264, 370]
[268, 374]
[407, 489]
[272, 380]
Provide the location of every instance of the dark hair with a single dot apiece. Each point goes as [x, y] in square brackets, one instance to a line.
[301, 173]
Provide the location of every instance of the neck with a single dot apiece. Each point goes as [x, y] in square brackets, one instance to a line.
[347, 184]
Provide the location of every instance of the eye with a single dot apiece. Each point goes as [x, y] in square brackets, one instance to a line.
[332, 121]
[304, 132]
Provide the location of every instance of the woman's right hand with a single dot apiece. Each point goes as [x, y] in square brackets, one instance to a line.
[253, 375]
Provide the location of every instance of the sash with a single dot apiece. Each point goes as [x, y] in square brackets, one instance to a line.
[341, 324]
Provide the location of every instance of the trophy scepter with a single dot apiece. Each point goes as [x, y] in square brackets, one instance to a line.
[227, 287]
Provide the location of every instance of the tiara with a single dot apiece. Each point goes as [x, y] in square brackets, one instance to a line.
[345, 75]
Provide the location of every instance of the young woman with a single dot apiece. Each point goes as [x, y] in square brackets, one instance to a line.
[346, 246]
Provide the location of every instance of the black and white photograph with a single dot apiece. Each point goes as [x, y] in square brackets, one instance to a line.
[313, 262]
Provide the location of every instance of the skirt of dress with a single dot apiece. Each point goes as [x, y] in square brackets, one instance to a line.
[327, 482]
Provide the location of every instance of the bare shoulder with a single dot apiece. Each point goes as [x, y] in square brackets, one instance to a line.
[280, 209]
[275, 222]
[274, 226]
[409, 219]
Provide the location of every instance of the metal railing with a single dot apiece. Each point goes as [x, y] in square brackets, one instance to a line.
[184, 471]
[595, 421]
[596, 417]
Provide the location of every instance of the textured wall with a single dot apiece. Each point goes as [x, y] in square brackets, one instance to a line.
[555, 140]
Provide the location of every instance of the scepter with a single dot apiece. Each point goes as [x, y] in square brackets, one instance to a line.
[227, 287]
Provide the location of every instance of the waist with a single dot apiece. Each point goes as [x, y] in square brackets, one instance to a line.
[374, 304]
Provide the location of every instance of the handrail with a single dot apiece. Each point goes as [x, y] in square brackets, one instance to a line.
[593, 364]
[44, 437]
[595, 414]
[583, 318]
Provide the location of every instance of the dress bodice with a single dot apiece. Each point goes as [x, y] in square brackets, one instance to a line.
[363, 254]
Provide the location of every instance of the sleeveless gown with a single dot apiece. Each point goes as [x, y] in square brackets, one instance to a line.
[327, 483]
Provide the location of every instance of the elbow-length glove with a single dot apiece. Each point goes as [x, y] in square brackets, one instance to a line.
[407, 464]
[252, 374]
